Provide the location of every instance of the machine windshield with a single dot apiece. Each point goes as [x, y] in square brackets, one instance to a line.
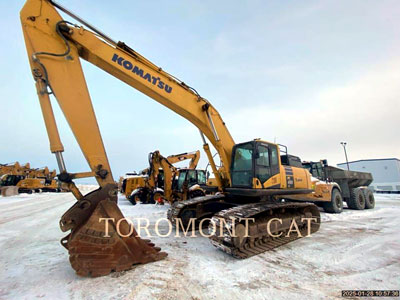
[242, 169]
[243, 158]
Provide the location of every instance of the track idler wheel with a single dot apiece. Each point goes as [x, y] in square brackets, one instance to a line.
[96, 250]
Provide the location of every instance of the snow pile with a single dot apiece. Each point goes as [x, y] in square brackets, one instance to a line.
[352, 250]
[86, 188]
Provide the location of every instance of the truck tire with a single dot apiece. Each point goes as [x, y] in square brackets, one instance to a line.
[143, 195]
[369, 199]
[336, 204]
[132, 200]
[357, 199]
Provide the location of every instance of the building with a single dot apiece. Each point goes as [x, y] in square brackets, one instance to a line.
[386, 172]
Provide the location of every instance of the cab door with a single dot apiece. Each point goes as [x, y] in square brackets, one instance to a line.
[266, 161]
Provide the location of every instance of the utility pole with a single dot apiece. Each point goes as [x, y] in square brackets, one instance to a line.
[345, 154]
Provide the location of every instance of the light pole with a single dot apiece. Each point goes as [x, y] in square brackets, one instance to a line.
[345, 154]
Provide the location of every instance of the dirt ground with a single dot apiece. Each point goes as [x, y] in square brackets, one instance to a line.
[352, 250]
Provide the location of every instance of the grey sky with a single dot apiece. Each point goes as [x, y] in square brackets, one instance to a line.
[308, 73]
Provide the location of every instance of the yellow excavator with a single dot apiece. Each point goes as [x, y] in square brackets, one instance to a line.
[10, 175]
[252, 180]
[163, 181]
[23, 179]
[39, 180]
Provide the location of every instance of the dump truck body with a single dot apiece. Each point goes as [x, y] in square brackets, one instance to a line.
[347, 180]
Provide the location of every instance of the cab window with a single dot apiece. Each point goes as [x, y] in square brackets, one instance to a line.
[201, 177]
[274, 156]
[263, 170]
[263, 156]
[181, 180]
[191, 178]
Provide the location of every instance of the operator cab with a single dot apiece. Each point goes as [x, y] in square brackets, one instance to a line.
[317, 169]
[255, 159]
[190, 177]
[10, 180]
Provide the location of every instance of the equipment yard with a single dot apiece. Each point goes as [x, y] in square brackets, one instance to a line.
[352, 250]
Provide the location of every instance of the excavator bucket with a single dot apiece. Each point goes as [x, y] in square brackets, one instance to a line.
[101, 240]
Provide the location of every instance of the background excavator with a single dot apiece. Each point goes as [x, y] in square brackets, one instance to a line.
[159, 182]
[253, 177]
[23, 179]
[39, 180]
[10, 175]
[13, 168]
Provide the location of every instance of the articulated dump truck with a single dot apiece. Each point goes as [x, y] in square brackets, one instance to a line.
[353, 184]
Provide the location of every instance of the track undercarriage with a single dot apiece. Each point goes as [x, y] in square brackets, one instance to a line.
[247, 229]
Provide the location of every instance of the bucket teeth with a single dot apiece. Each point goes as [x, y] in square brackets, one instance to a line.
[95, 252]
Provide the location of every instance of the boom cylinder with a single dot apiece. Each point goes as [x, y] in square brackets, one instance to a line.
[206, 148]
[49, 121]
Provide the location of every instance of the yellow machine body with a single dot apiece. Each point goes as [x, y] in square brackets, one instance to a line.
[160, 165]
[38, 184]
[134, 182]
[54, 49]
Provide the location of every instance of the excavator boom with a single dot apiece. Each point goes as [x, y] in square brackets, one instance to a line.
[55, 65]
[54, 47]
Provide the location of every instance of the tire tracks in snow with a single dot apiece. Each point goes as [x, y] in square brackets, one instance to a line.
[22, 211]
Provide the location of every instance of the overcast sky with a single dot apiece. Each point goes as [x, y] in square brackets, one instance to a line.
[308, 74]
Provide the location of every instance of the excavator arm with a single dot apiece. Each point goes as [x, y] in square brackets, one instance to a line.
[54, 49]
[193, 156]
[158, 161]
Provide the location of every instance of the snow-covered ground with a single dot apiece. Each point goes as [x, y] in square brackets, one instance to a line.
[352, 250]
